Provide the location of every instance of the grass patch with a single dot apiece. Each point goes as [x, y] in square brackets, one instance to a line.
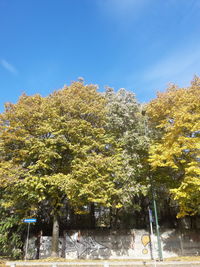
[51, 259]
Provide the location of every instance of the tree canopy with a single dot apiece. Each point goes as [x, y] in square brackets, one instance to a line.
[55, 148]
[127, 124]
[176, 116]
[84, 151]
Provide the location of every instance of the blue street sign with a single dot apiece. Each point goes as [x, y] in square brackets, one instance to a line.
[30, 220]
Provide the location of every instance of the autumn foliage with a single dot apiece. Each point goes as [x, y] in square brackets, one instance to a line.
[81, 150]
[176, 115]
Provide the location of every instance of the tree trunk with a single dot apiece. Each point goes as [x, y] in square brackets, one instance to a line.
[55, 237]
[92, 216]
[64, 244]
[111, 217]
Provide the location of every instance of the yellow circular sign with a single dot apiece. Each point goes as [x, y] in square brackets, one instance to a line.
[145, 251]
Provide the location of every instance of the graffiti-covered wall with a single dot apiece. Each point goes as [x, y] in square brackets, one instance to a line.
[130, 244]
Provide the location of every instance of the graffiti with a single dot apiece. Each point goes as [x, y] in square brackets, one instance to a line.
[145, 241]
[94, 245]
[82, 245]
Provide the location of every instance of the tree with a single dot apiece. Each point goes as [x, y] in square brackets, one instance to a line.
[11, 230]
[176, 147]
[53, 149]
[127, 123]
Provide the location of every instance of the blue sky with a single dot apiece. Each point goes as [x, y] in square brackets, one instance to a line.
[140, 45]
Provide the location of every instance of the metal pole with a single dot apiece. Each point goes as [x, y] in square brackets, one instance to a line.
[151, 232]
[26, 250]
[157, 231]
[154, 202]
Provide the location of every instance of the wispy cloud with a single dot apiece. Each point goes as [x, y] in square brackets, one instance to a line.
[176, 64]
[9, 67]
[122, 9]
[177, 67]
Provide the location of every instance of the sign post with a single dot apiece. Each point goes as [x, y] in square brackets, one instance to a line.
[33, 220]
[151, 231]
[157, 231]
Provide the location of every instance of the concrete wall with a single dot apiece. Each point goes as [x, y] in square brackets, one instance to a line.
[130, 244]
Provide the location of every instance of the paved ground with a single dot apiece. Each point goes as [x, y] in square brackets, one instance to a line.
[106, 264]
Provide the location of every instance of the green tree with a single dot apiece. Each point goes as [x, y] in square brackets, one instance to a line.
[127, 123]
[11, 231]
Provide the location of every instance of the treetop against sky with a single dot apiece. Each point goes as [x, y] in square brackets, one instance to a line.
[140, 45]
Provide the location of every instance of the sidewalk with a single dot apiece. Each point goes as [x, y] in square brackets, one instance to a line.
[105, 264]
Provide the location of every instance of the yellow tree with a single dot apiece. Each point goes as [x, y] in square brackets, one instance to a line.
[175, 114]
[54, 149]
